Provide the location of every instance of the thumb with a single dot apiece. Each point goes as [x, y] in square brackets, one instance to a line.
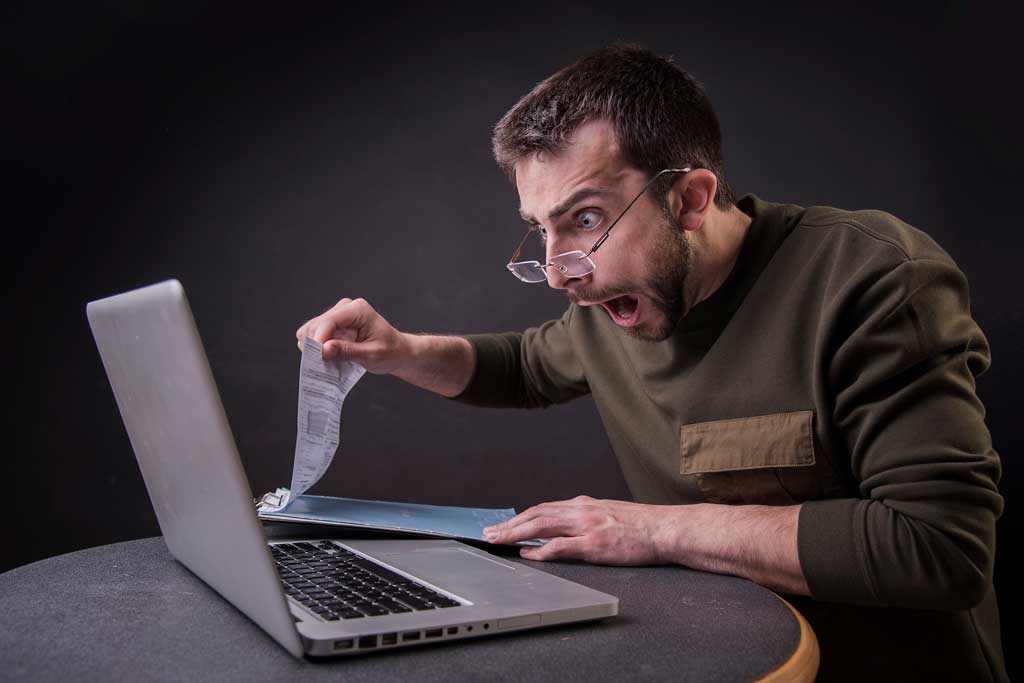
[323, 331]
[342, 350]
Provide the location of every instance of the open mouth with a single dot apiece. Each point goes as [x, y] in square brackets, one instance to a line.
[624, 310]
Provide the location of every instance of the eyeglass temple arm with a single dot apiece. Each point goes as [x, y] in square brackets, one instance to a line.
[608, 232]
[520, 247]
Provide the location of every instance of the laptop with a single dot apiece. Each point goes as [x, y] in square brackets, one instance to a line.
[314, 596]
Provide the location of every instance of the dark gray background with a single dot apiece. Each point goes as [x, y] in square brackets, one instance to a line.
[276, 162]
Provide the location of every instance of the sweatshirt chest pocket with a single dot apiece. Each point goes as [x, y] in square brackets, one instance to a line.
[763, 460]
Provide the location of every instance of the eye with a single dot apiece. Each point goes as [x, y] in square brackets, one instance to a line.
[542, 234]
[588, 219]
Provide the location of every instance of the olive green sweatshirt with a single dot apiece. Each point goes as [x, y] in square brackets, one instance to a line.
[835, 367]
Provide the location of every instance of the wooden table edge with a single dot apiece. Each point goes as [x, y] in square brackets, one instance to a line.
[802, 665]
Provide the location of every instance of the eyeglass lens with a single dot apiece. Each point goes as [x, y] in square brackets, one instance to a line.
[569, 264]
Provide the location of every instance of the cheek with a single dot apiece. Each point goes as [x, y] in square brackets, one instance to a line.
[628, 269]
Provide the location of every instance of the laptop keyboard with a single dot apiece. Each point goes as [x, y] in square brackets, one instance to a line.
[338, 584]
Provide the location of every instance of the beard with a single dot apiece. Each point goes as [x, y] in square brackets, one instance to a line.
[670, 265]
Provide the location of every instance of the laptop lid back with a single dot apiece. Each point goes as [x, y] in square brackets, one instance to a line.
[168, 400]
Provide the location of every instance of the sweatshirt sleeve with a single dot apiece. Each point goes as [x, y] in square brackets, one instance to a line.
[902, 371]
[532, 369]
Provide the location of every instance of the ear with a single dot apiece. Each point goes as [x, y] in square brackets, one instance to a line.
[692, 196]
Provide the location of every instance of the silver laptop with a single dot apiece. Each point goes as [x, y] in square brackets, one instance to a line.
[314, 596]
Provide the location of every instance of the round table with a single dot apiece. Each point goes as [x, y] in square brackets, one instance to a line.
[129, 611]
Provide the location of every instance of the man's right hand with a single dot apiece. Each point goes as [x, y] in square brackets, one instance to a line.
[353, 330]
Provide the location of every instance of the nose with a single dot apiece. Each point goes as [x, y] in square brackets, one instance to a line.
[556, 278]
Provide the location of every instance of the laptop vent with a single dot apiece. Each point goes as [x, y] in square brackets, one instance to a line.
[387, 639]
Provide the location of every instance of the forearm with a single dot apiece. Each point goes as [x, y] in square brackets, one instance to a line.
[753, 541]
[443, 365]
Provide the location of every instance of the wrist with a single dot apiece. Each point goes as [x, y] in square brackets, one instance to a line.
[673, 534]
[443, 365]
[408, 347]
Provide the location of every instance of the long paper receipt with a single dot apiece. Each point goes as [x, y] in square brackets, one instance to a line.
[323, 386]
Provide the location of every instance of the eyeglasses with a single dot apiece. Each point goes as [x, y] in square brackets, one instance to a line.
[574, 263]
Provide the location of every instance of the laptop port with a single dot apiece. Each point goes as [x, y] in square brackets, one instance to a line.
[411, 635]
[452, 630]
[345, 644]
[389, 639]
[367, 642]
[434, 632]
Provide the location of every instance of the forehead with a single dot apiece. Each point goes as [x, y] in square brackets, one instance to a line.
[591, 160]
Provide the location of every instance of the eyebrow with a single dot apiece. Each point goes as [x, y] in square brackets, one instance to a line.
[573, 199]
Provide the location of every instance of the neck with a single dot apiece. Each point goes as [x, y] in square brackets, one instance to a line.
[714, 248]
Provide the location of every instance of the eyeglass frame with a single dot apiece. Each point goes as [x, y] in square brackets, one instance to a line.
[512, 261]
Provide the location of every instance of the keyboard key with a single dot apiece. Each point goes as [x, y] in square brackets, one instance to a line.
[372, 610]
[445, 602]
[393, 607]
[416, 603]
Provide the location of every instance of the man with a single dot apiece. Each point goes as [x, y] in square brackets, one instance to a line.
[789, 391]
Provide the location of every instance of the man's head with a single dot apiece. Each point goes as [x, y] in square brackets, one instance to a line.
[582, 143]
[660, 114]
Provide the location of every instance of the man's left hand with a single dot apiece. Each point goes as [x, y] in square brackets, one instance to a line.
[596, 531]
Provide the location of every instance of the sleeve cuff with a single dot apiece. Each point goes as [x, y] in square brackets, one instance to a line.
[829, 551]
[497, 362]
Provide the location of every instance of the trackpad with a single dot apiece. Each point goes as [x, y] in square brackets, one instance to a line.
[458, 570]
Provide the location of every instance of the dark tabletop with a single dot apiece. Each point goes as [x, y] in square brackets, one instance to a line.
[129, 611]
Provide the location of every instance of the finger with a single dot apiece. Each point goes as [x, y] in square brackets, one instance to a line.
[342, 322]
[531, 513]
[303, 332]
[573, 548]
[306, 327]
[341, 302]
[324, 330]
[548, 526]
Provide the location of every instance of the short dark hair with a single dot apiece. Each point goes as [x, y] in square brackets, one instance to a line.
[660, 113]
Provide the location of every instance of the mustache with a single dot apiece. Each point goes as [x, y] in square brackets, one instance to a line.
[582, 294]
